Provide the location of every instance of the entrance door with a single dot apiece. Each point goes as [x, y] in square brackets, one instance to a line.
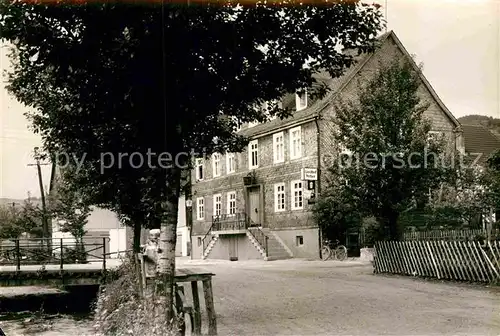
[233, 248]
[254, 205]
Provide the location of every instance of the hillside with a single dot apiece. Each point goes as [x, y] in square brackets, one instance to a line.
[489, 122]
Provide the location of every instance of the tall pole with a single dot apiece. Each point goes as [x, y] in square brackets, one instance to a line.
[38, 165]
[386, 18]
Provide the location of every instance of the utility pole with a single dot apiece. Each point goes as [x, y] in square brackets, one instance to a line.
[45, 221]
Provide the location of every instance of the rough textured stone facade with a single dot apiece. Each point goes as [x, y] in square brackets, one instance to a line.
[316, 125]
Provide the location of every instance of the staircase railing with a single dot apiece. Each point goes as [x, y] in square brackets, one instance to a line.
[207, 238]
[261, 238]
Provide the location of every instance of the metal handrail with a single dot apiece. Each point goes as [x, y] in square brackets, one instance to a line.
[54, 254]
[237, 221]
[261, 238]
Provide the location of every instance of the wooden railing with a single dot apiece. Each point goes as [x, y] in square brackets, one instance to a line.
[53, 251]
[451, 235]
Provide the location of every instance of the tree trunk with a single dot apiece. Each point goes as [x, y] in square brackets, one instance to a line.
[395, 229]
[168, 238]
[136, 247]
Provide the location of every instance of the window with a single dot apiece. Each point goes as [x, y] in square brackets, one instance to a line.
[253, 154]
[217, 205]
[296, 188]
[199, 169]
[199, 241]
[295, 143]
[200, 208]
[279, 197]
[301, 100]
[299, 240]
[230, 163]
[216, 164]
[278, 147]
[231, 203]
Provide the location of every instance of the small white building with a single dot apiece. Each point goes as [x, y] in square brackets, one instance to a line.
[182, 247]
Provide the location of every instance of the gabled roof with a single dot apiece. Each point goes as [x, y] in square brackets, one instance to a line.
[336, 87]
[480, 140]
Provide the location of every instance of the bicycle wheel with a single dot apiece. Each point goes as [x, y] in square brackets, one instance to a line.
[341, 253]
[325, 253]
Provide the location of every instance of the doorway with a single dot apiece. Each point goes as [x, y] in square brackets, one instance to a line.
[253, 205]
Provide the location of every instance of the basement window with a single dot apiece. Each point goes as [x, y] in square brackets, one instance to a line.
[299, 240]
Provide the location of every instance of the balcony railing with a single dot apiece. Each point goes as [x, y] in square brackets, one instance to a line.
[237, 221]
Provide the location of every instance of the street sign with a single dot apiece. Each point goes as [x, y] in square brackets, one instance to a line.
[309, 174]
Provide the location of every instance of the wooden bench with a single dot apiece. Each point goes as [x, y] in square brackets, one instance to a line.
[182, 278]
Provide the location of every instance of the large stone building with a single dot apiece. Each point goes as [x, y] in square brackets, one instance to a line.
[254, 205]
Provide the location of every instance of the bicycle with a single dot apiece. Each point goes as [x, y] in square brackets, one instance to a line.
[335, 250]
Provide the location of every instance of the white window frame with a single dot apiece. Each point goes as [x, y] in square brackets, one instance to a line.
[230, 163]
[216, 163]
[293, 154]
[231, 200]
[199, 163]
[278, 195]
[278, 145]
[200, 204]
[217, 200]
[298, 101]
[251, 150]
[300, 192]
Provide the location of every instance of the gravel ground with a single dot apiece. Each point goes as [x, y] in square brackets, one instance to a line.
[299, 297]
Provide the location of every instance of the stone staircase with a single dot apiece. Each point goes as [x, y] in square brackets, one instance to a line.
[209, 247]
[276, 250]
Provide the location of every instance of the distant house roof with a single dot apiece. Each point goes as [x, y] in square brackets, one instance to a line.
[336, 86]
[480, 140]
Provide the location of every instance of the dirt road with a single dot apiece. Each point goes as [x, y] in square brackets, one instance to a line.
[296, 297]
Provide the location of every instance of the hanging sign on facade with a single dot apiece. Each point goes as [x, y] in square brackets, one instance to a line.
[309, 174]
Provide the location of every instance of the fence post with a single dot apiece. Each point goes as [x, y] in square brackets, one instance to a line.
[267, 250]
[62, 253]
[104, 253]
[18, 256]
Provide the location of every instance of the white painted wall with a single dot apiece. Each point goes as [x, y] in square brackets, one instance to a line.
[102, 219]
[117, 242]
[182, 229]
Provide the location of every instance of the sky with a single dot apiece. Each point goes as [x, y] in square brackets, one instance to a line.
[457, 41]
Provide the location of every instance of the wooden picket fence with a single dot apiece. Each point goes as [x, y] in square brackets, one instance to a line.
[452, 260]
[450, 234]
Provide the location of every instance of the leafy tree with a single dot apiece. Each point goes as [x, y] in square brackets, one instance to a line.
[16, 221]
[69, 209]
[172, 80]
[393, 165]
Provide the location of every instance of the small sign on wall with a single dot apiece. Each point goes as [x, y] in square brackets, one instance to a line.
[309, 174]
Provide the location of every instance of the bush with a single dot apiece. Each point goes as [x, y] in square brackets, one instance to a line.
[76, 255]
[120, 310]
